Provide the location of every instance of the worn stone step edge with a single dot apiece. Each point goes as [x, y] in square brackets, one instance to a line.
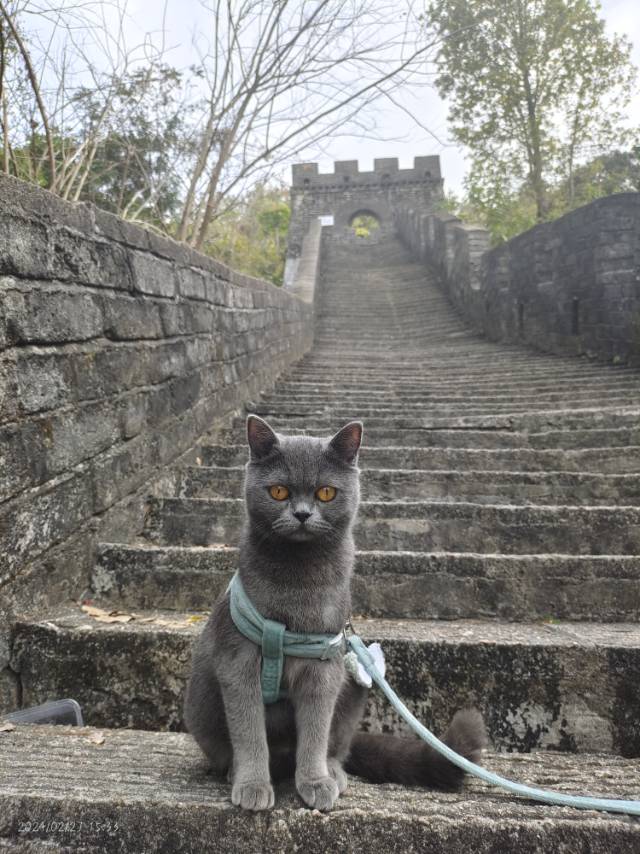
[420, 401]
[603, 460]
[469, 438]
[550, 487]
[436, 378]
[140, 792]
[531, 421]
[385, 400]
[423, 585]
[456, 526]
[434, 416]
[449, 364]
[567, 686]
[428, 383]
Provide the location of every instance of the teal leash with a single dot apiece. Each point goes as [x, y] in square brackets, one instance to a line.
[276, 641]
[542, 795]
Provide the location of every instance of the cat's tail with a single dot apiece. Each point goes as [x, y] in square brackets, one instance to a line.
[389, 759]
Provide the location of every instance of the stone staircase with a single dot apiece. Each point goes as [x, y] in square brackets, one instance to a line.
[499, 565]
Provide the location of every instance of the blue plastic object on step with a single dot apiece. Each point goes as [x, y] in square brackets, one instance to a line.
[55, 712]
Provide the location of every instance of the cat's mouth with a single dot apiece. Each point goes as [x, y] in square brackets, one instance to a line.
[299, 531]
[302, 534]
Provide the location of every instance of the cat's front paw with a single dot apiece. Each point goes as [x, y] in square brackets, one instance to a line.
[338, 773]
[321, 794]
[253, 795]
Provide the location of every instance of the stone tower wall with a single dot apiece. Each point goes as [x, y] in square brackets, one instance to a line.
[347, 191]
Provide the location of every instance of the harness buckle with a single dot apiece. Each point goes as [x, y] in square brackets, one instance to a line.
[330, 645]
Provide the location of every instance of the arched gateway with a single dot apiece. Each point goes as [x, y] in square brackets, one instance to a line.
[346, 193]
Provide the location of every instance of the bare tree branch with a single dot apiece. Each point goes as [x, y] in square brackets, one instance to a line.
[35, 86]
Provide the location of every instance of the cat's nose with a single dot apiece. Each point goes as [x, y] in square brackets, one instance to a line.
[302, 515]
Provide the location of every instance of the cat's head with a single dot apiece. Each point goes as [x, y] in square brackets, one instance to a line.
[301, 488]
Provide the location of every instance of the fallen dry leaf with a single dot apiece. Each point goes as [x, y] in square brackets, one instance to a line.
[103, 616]
[96, 738]
[93, 611]
[169, 624]
[7, 727]
[107, 616]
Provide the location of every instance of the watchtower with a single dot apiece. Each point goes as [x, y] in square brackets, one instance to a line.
[347, 193]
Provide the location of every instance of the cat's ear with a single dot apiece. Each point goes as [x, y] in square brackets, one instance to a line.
[262, 440]
[346, 443]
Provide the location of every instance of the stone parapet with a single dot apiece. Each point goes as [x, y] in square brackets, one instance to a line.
[301, 273]
[385, 170]
[118, 350]
[571, 286]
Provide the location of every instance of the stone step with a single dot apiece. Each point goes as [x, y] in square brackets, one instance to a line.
[419, 585]
[377, 338]
[563, 686]
[435, 385]
[482, 487]
[459, 365]
[497, 438]
[375, 414]
[426, 389]
[423, 526]
[138, 792]
[432, 381]
[444, 371]
[419, 318]
[392, 399]
[565, 419]
[466, 351]
[352, 331]
[616, 460]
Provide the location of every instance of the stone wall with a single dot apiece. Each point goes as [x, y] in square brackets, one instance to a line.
[301, 274]
[571, 286]
[118, 350]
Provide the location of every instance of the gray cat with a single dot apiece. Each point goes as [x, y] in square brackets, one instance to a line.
[296, 560]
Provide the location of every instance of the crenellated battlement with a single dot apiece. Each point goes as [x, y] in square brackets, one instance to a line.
[386, 170]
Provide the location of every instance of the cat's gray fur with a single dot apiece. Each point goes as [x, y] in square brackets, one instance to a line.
[299, 573]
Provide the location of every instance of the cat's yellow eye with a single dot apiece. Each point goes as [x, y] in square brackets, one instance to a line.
[280, 493]
[326, 493]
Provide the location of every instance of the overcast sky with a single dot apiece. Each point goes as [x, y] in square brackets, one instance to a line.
[622, 16]
[398, 137]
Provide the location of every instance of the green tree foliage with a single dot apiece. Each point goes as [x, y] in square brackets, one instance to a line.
[364, 224]
[508, 214]
[251, 235]
[535, 87]
[614, 172]
[133, 171]
[122, 159]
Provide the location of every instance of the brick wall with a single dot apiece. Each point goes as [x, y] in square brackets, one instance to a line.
[568, 286]
[118, 349]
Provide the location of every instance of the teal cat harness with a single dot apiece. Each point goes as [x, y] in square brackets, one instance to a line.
[276, 642]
